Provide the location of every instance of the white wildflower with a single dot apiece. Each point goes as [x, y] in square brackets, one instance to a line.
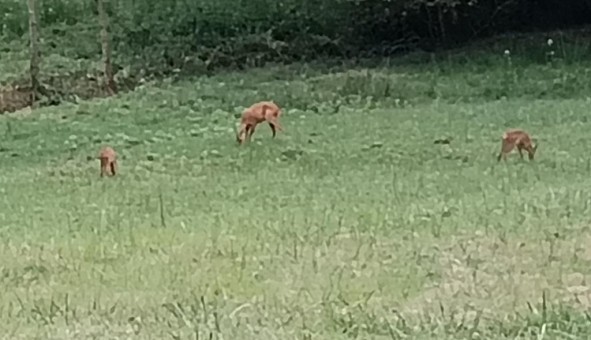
[550, 42]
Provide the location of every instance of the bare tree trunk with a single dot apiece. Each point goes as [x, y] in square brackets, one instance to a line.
[442, 32]
[110, 84]
[35, 53]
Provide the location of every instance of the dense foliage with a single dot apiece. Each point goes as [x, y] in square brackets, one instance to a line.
[199, 34]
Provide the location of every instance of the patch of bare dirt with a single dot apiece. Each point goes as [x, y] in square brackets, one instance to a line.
[59, 88]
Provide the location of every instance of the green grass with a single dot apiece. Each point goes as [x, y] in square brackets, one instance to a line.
[350, 224]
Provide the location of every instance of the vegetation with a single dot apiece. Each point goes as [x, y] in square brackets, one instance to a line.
[380, 212]
[153, 38]
[352, 223]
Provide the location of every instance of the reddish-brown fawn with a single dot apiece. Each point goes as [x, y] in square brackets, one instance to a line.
[517, 138]
[260, 112]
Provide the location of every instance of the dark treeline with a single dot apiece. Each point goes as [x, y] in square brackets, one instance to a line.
[178, 33]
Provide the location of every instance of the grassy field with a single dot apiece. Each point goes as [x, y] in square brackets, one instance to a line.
[350, 224]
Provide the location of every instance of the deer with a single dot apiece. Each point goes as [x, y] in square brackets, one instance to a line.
[108, 158]
[517, 138]
[265, 111]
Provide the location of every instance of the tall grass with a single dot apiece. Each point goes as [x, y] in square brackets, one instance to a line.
[352, 221]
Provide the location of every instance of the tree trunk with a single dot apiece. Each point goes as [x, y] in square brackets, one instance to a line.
[35, 53]
[110, 84]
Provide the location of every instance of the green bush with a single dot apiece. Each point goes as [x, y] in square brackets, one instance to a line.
[161, 36]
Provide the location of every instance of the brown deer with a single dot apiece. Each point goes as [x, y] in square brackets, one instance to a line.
[517, 138]
[260, 112]
[108, 158]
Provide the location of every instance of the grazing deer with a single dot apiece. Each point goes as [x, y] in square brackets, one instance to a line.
[517, 138]
[108, 159]
[258, 113]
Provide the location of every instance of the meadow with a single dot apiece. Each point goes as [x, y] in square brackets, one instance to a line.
[352, 223]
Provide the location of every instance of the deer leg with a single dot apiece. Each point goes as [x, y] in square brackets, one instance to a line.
[274, 124]
[250, 131]
[103, 165]
[502, 155]
[505, 149]
[273, 129]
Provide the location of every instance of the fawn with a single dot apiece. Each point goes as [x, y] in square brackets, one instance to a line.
[260, 112]
[108, 158]
[517, 138]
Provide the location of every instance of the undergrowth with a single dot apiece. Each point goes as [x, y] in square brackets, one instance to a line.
[504, 71]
